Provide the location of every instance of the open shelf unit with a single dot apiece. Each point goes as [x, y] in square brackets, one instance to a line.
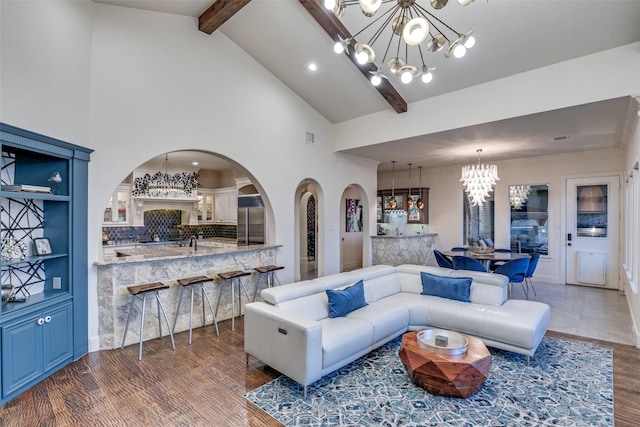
[47, 327]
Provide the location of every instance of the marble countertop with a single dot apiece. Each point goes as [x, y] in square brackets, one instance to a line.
[132, 243]
[402, 236]
[173, 251]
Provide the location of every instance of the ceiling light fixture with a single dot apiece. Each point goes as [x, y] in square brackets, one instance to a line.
[409, 198]
[518, 195]
[393, 204]
[478, 181]
[414, 27]
[420, 202]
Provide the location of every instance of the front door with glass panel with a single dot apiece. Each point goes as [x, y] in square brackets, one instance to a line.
[592, 239]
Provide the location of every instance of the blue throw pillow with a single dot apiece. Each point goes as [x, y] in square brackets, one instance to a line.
[343, 302]
[458, 288]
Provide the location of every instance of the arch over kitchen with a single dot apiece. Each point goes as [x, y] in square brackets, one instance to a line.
[309, 240]
[179, 194]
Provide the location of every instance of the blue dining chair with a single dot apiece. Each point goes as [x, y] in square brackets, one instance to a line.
[533, 263]
[495, 264]
[442, 260]
[467, 263]
[515, 270]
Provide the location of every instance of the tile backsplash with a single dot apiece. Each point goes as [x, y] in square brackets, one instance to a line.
[165, 224]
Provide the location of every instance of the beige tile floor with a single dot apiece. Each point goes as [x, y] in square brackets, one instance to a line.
[585, 311]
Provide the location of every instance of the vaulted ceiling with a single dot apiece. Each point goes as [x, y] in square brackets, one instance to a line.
[512, 37]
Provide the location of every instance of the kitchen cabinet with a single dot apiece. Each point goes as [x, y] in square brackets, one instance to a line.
[219, 205]
[45, 328]
[225, 205]
[34, 345]
[117, 210]
[205, 206]
[415, 215]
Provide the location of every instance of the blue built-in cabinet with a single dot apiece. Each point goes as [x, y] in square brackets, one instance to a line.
[45, 326]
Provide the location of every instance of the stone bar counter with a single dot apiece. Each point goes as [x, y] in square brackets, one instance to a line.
[397, 250]
[167, 264]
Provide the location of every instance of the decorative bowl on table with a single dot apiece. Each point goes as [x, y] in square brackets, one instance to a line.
[442, 341]
[482, 249]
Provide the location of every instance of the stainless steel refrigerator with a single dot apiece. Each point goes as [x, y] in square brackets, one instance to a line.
[251, 218]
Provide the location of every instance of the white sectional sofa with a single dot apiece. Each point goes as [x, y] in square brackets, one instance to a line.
[291, 331]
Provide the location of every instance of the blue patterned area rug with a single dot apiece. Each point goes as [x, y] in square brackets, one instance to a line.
[567, 383]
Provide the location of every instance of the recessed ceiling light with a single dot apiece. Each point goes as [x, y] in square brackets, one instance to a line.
[195, 163]
[313, 67]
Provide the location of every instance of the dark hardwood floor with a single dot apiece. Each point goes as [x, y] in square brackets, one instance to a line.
[202, 385]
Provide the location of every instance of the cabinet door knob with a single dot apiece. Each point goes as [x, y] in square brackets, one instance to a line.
[41, 321]
[47, 319]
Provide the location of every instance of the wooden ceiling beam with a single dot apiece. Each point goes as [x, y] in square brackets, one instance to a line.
[333, 26]
[218, 13]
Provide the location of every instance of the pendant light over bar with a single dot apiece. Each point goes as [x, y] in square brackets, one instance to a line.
[392, 200]
[420, 202]
[409, 198]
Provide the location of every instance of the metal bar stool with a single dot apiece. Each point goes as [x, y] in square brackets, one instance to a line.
[141, 291]
[230, 278]
[269, 272]
[194, 282]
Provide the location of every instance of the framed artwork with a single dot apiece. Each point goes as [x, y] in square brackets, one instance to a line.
[42, 245]
[353, 216]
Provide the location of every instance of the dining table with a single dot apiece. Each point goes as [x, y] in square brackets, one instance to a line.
[487, 257]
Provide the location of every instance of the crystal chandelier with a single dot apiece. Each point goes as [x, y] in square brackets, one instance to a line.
[412, 26]
[478, 181]
[518, 195]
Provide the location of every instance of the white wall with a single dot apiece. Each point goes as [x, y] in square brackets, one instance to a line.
[632, 276]
[136, 84]
[446, 193]
[45, 67]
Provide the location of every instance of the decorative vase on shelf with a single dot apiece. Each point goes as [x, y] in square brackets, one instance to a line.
[56, 179]
[12, 249]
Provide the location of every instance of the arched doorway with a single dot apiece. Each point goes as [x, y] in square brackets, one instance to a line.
[308, 267]
[354, 215]
[308, 236]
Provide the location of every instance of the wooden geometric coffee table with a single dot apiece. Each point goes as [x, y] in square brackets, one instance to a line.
[444, 374]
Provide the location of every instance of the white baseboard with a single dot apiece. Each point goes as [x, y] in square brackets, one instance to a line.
[548, 279]
[351, 265]
[94, 344]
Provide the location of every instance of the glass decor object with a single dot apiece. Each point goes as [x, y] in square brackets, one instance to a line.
[12, 249]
